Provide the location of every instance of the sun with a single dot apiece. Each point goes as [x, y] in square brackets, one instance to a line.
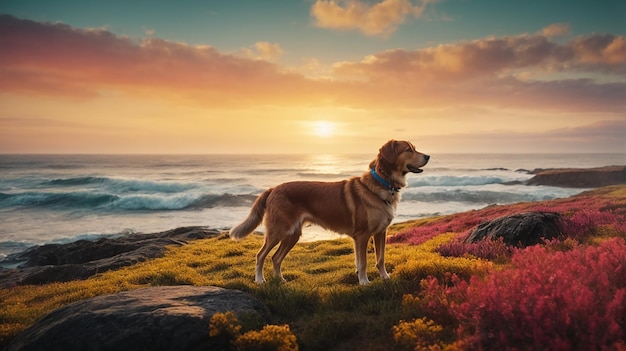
[323, 129]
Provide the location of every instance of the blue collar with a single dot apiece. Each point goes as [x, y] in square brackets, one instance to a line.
[383, 182]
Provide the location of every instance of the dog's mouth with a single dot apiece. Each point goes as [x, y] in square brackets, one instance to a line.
[414, 169]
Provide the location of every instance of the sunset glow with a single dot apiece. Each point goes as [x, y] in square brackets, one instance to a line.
[324, 129]
[452, 76]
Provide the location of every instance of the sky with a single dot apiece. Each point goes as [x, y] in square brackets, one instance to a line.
[312, 76]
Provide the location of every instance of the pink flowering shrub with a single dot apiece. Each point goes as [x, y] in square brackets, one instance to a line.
[548, 300]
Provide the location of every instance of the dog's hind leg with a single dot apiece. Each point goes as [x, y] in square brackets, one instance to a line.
[379, 245]
[286, 245]
[268, 245]
[360, 253]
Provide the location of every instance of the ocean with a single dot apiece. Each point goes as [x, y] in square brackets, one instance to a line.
[63, 198]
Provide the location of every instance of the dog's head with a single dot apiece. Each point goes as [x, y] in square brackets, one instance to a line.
[399, 157]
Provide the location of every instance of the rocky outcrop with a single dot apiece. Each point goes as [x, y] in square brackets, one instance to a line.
[580, 178]
[159, 318]
[83, 258]
[521, 229]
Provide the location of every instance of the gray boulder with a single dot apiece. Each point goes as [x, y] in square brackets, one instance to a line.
[83, 258]
[159, 318]
[521, 229]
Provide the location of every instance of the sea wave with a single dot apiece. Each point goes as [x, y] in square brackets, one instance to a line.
[57, 200]
[76, 181]
[120, 185]
[139, 202]
[452, 180]
[476, 196]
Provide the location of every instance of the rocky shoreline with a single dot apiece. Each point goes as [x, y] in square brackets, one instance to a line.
[83, 258]
[579, 177]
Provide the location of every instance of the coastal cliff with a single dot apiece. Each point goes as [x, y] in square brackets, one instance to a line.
[579, 177]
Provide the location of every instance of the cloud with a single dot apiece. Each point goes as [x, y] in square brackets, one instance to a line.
[600, 50]
[59, 59]
[489, 71]
[555, 30]
[382, 18]
[264, 50]
[492, 57]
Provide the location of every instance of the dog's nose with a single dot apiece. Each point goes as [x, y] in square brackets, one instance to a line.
[426, 157]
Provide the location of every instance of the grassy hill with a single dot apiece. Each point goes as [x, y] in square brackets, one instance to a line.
[444, 294]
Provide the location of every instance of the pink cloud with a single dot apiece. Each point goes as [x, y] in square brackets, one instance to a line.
[56, 58]
[382, 18]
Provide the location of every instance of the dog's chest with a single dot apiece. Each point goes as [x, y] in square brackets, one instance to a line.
[378, 220]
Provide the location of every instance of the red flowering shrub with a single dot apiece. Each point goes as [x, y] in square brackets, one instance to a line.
[587, 222]
[548, 300]
[586, 214]
[453, 223]
[495, 250]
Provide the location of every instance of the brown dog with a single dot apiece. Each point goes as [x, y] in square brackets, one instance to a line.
[360, 207]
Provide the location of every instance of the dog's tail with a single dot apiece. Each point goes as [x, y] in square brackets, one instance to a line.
[254, 218]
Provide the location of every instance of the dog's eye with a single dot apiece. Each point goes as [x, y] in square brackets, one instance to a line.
[409, 150]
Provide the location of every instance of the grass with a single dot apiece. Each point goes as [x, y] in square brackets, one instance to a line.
[321, 301]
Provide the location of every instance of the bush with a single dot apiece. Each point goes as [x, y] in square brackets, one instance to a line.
[271, 337]
[588, 222]
[421, 333]
[548, 300]
[226, 328]
[494, 250]
[225, 325]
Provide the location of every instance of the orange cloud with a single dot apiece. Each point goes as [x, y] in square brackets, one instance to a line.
[269, 51]
[382, 18]
[555, 30]
[601, 50]
[491, 57]
[264, 50]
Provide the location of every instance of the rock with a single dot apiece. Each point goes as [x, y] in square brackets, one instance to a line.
[522, 229]
[83, 258]
[159, 318]
[580, 178]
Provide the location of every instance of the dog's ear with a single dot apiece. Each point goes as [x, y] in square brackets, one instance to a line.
[389, 152]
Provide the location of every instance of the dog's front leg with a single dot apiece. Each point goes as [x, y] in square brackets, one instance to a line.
[360, 252]
[379, 245]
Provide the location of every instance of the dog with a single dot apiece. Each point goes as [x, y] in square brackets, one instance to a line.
[360, 207]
